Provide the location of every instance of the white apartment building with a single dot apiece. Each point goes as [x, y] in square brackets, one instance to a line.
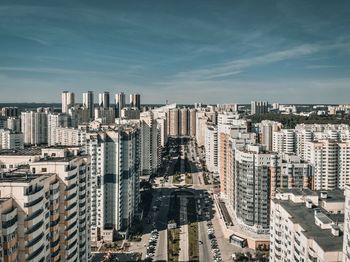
[115, 177]
[294, 140]
[55, 121]
[34, 127]
[88, 102]
[68, 100]
[150, 148]
[105, 115]
[11, 139]
[13, 124]
[119, 103]
[306, 226]
[330, 163]
[50, 205]
[130, 113]
[211, 148]
[69, 137]
[284, 141]
[201, 122]
[267, 128]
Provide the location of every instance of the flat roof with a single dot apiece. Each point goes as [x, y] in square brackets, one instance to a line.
[335, 195]
[56, 159]
[305, 217]
[28, 151]
[20, 176]
[297, 191]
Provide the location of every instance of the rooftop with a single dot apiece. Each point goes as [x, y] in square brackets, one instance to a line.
[20, 176]
[297, 191]
[305, 217]
[57, 159]
[28, 151]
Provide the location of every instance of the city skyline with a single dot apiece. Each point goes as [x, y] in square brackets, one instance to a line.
[182, 52]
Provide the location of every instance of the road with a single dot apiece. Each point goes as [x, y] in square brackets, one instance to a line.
[198, 187]
[161, 223]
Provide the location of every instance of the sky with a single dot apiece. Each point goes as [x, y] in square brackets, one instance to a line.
[183, 51]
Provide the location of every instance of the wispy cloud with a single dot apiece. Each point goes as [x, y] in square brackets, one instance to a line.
[236, 66]
[320, 66]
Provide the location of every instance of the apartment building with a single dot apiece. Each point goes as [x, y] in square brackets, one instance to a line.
[284, 141]
[259, 107]
[11, 139]
[201, 122]
[253, 166]
[211, 148]
[307, 225]
[55, 121]
[88, 102]
[68, 100]
[50, 207]
[34, 127]
[192, 122]
[330, 163]
[69, 137]
[105, 115]
[184, 122]
[115, 177]
[151, 147]
[174, 122]
[266, 129]
[8, 227]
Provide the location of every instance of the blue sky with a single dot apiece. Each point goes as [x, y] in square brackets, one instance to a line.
[184, 51]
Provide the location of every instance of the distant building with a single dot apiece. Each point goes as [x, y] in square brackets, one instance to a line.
[183, 122]
[68, 100]
[103, 100]
[135, 101]
[130, 113]
[151, 147]
[105, 115]
[174, 122]
[88, 102]
[10, 111]
[34, 127]
[211, 148]
[119, 103]
[11, 139]
[259, 107]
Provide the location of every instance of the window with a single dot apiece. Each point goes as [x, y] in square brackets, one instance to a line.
[43, 169]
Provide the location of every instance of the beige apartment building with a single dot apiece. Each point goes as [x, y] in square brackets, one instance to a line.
[48, 208]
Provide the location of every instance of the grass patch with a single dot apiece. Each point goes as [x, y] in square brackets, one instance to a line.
[189, 179]
[173, 244]
[193, 248]
[176, 178]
